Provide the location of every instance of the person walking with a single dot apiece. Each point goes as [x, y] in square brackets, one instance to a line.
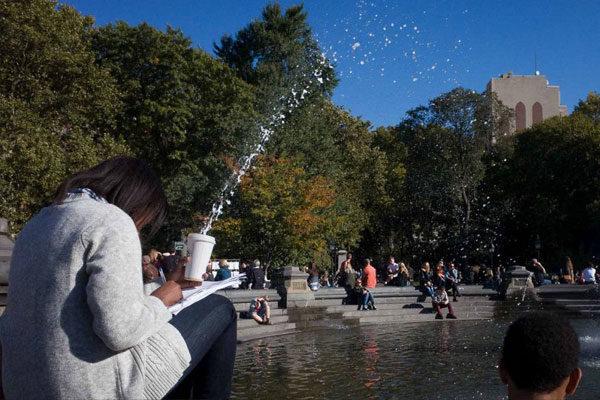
[338, 278]
[348, 280]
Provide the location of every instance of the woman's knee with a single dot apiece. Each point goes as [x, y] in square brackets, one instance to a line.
[223, 304]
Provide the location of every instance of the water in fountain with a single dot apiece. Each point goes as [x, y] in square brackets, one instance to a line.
[283, 106]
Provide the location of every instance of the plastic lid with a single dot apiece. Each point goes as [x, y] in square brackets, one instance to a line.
[201, 237]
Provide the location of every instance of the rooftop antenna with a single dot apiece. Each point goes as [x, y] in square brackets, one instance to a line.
[537, 73]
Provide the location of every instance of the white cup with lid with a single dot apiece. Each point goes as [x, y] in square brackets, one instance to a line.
[200, 248]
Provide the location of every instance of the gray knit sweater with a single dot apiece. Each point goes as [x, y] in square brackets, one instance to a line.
[77, 324]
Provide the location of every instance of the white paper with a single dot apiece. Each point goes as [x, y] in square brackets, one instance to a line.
[192, 295]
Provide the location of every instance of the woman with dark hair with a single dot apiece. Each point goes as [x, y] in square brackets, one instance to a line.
[83, 328]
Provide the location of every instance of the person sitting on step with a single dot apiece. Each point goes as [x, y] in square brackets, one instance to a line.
[224, 272]
[425, 277]
[439, 301]
[364, 298]
[260, 310]
[451, 278]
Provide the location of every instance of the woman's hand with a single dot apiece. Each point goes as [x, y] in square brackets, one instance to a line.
[150, 272]
[169, 293]
[178, 275]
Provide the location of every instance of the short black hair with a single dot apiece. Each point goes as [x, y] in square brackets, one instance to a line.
[540, 351]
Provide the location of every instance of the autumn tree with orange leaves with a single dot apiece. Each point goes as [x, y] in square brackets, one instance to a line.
[284, 216]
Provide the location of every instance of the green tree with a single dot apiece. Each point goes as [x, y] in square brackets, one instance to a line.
[277, 54]
[184, 112]
[57, 108]
[590, 108]
[553, 179]
[447, 143]
[285, 216]
[388, 229]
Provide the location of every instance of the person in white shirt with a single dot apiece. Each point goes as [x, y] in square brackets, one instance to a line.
[589, 274]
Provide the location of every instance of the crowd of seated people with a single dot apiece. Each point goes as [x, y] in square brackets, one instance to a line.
[156, 265]
[398, 274]
[444, 276]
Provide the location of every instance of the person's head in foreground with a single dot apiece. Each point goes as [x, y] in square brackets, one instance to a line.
[540, 358]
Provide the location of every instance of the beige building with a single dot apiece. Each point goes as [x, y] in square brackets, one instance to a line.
[529, 96]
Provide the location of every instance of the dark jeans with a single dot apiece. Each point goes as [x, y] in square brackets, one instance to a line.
[209, 328]
[450, 284]
[368, 297]
[426, 290]
[350, 297]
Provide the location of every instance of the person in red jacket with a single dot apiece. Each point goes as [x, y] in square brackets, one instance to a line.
[369, 277]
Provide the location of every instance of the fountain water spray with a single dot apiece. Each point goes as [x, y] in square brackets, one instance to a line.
[285, 103]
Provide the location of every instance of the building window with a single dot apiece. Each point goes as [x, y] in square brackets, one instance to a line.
[537, 113]
[520, 116]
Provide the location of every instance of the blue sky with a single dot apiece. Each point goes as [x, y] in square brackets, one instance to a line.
[392, 56]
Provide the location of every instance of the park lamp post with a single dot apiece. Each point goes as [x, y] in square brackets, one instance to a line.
[538, 245]
[492, 249]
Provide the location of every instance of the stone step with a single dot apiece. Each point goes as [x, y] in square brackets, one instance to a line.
[582, 306]
[247, 338]
[421, 318]
[403, 300]
[264, 330]
[415, 311]
[245, 306]
[570, 301]
[590, 313]
[407, 305]
[312, 315]
[327, 323]
[250, 323]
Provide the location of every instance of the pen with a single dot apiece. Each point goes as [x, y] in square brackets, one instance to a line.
[162, 275]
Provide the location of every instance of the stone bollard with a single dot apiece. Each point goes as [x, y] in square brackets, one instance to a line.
[516, 280]
[6, 248]
[294, 291]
